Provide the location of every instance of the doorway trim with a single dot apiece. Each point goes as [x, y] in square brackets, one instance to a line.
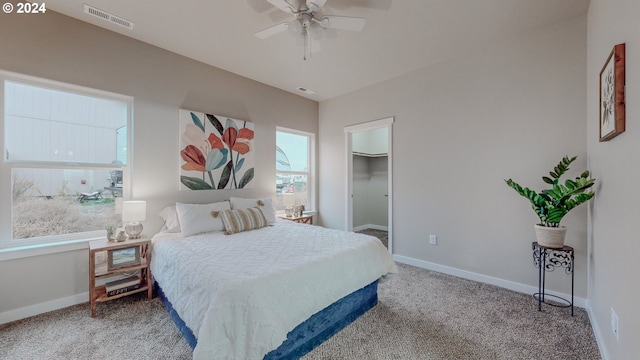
[349, 131]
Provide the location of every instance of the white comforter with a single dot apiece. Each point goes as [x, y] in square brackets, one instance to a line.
[241, 294]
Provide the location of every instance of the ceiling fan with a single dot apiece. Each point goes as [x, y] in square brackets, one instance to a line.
[309, 23]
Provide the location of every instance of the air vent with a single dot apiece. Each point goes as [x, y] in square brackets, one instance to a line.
[88, 9]
[306, 91]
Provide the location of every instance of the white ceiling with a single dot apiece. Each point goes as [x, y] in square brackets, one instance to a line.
[399, 36]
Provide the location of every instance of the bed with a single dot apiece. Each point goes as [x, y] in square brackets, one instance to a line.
[273, 293]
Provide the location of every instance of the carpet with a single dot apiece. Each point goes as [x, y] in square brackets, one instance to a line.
[421, 314]
[380, 234]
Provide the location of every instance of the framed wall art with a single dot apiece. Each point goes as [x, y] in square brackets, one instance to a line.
[612, 106]
[216, 152]
[119, 258]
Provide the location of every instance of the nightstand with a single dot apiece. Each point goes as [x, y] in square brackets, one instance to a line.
[125, 257]
[304, 219]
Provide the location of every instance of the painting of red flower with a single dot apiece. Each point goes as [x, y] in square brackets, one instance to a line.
[215, 154]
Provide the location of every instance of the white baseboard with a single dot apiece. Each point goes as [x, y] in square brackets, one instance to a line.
[371, 226]
[522, 288]
[604, 354]
[44, 307]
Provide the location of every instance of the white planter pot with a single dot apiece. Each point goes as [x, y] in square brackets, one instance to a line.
[552, 237]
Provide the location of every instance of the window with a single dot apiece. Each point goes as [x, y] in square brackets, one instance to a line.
[65, 154]
[294, 169]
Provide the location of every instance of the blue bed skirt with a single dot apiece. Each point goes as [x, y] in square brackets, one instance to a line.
[313, 331]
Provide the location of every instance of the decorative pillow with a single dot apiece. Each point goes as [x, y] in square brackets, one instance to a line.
[239, 220]
[170, 217]
[196, 218]
[265, 204]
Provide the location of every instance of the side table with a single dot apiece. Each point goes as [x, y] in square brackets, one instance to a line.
[98, 294]
[548, 259]
[304, 219]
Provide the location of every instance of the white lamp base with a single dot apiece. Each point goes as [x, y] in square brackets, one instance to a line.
[133, 230]
[288, 211]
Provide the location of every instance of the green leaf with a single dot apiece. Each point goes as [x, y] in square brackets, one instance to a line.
[194, 183]
[570, 184]
[225, 176]
[552, 193]
[197, 121]
[555, 215]
[246, 178]
[216, 123]
[547, 180]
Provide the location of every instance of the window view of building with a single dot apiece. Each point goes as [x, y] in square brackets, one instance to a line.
[67, 154]
[293, 164]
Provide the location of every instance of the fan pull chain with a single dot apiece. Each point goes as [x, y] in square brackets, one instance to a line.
[307, 43]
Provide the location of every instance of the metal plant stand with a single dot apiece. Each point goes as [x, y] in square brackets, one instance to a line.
[548, 259]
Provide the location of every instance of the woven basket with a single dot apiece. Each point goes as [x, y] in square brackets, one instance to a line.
[552, 237]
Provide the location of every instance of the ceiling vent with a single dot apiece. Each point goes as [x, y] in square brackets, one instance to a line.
[88, 9]
[306, 91]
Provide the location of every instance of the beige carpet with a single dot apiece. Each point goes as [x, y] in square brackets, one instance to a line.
[380, 234]
[421, 315]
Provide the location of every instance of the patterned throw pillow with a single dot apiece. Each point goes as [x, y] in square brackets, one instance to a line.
[239, 220]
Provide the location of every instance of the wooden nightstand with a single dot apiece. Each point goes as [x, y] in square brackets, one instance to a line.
[97, 270]
[304, 219]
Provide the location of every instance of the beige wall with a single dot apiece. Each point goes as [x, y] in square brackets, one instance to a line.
[613, 238]
[60, 48]
[461, 127]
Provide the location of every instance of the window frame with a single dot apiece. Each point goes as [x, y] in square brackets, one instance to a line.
[63, 242]
[311, 164]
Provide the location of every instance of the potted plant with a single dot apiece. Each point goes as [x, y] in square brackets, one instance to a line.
[111, 229]
[551, 205]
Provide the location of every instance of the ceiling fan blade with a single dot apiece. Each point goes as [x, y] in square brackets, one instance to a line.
[315, 5]
[283, 5]
[343, 22]
[370, 4]
[275, 29]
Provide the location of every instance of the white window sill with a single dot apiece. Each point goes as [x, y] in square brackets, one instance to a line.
[43, 249]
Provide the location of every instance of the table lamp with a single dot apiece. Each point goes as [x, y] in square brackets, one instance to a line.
[289, 201]
[134, 212]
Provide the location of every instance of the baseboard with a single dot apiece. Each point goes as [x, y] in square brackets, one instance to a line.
[371, 226]
[44, 307]
[522, 288]
[604, 354]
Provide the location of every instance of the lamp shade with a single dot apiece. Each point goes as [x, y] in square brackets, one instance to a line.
[289, 199]
[134, 210]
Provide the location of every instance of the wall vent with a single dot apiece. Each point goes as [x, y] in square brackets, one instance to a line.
[88, 9]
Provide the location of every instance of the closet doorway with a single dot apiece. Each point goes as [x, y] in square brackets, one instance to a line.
[369, 179]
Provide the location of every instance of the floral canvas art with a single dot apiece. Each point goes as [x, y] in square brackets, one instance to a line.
[216, 152]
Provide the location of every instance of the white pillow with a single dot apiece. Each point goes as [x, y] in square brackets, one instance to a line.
[267, 206]
[170, 216]
[196, 218]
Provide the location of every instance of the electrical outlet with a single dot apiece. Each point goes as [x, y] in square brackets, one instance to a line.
[433, 240]
[614, 324]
